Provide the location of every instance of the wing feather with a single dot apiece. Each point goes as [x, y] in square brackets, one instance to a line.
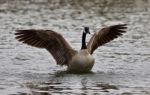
[50, 40]
[105, 35]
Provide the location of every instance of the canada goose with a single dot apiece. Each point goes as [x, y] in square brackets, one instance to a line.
[63, 53]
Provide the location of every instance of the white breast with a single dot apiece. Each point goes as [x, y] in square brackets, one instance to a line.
[81, 62]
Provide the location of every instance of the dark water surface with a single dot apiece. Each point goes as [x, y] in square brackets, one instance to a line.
[122, 67]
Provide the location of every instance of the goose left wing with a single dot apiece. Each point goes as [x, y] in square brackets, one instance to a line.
[105, 35]
[50, 40]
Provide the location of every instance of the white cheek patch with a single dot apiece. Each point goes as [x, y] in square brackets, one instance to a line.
[91, 34]
[84, 31]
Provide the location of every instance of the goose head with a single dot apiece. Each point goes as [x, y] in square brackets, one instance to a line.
[86, 30]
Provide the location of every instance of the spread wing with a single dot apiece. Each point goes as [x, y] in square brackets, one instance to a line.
[50, 40]
[105, 35]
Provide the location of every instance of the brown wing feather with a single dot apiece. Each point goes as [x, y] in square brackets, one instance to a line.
[52, 41]
[105, 35]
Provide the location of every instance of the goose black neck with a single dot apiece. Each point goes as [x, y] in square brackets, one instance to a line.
[83, 41]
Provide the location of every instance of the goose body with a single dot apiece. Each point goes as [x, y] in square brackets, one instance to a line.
[63, 53]
[83, 61]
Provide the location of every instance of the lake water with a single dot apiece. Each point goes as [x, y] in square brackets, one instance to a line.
[122, 66]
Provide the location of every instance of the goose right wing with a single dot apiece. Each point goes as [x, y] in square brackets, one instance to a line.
[52, 41]
[105, 35]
